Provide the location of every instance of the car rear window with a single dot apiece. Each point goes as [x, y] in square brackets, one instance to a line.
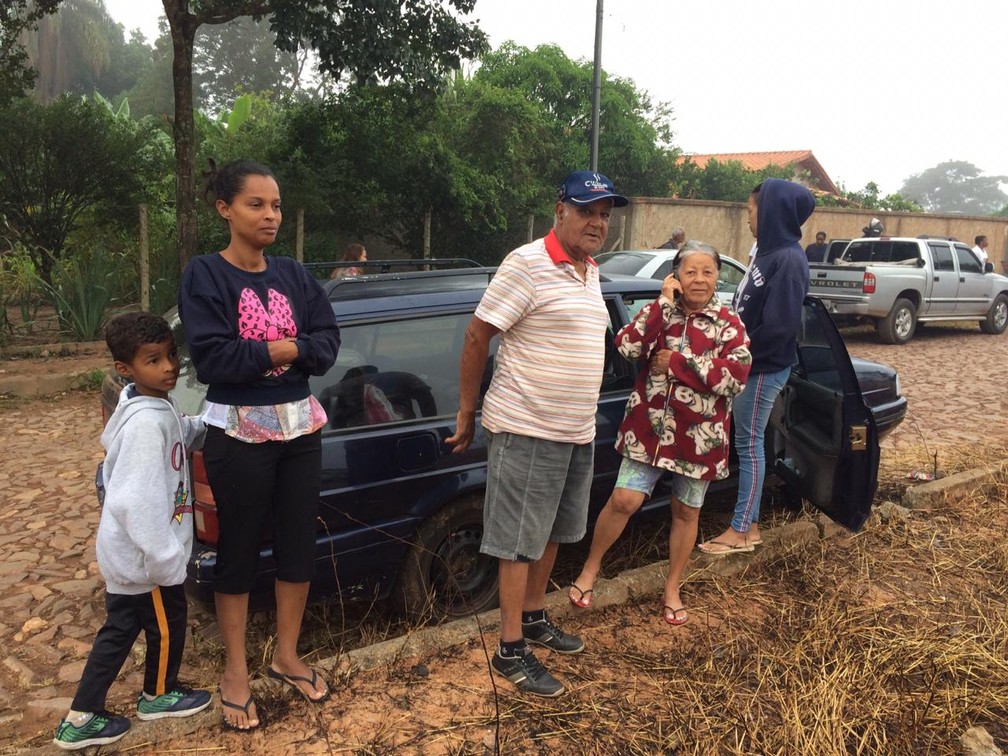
[881, 251]
[396, 370]
[942, 256]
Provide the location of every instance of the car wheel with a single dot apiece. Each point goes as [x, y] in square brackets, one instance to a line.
[899, 325]
[997, 316]
[445, 575]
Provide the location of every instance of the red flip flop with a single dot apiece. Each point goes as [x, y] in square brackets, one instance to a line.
[671, 616]
[584, 598]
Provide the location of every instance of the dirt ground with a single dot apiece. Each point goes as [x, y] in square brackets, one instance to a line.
[888, 641]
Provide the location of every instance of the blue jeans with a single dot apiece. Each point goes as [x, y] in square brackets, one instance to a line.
[751, 413]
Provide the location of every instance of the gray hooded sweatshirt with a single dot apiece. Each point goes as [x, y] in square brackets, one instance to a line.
[145, 533]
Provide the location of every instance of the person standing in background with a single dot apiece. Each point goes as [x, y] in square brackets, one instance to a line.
[769, 300]
[816, 253]
[677, 239]
[980, 250]
[353, 253]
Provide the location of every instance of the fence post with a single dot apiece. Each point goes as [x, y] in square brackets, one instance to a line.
[299, 238]
[144, 261]
[531, 229]
[426, 234]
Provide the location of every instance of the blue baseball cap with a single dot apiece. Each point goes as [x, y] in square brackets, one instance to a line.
[585, 187]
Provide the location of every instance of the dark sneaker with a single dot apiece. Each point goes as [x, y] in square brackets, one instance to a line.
[180, 702]
[528, 673]
[102, 728]
[545, 633]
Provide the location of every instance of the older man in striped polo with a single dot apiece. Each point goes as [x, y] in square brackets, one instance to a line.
[539, 415]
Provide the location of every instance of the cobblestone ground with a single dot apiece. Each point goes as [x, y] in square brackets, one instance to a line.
[955, 379]
[50, 597]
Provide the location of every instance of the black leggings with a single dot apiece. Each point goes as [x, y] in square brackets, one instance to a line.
[264, 491]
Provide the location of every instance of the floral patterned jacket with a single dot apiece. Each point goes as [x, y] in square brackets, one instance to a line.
[680, 421]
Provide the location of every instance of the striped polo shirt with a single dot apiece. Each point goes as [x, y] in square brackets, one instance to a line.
[552, 344]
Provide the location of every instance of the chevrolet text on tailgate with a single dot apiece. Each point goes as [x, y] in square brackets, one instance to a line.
[897, 282]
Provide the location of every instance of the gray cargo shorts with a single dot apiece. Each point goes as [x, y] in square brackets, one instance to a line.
[537, 491]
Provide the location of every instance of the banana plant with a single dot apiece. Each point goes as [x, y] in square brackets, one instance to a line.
[227, 121]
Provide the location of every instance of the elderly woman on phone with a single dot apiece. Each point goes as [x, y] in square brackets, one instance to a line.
[694, 357]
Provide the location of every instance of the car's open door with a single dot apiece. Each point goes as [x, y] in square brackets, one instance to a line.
[822, 441]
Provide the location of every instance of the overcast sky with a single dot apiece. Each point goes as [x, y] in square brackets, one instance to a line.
[877, 90]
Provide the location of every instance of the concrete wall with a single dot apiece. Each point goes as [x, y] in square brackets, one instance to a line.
[650, 220]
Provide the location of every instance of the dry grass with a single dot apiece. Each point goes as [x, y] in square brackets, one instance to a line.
[890, 641]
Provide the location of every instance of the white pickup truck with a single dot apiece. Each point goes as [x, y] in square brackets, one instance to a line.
[897, 282]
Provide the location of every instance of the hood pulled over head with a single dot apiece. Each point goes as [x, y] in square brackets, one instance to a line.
[783, 207]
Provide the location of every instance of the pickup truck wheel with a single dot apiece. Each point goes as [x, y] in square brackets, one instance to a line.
[997, 316]
[445, 576]
[899, 325]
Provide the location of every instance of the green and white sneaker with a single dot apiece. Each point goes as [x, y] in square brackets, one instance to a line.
[101, 728]
[182, 701]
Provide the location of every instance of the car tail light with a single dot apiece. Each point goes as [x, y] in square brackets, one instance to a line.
[204, 506]
[868, 286]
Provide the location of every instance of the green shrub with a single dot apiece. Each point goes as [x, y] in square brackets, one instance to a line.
[83, 289]
[20, 284]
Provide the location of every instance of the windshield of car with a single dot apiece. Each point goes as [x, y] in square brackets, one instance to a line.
[622, 263]
[729, 277]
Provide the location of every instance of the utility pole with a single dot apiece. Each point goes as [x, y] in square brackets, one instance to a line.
[597, 86]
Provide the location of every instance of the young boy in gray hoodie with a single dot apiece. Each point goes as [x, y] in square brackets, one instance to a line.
[144, 538]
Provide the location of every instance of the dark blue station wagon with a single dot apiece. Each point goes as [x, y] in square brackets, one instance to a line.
[401, 516]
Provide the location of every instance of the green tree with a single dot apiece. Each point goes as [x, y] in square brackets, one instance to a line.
[413, 40]
[62, 161]
[129, 61]
[416, 41]
[241, 56]
[78, 49]
[478, 158]
[869, 199]
[729, 181]
[634, 132]
[17, 19]
[956, 186]
[151, 93]
[468, 157]
[71, 48]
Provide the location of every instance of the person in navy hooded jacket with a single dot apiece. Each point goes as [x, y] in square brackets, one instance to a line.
[769, 301]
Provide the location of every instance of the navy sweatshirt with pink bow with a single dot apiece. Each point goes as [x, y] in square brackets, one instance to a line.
[230, 314]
